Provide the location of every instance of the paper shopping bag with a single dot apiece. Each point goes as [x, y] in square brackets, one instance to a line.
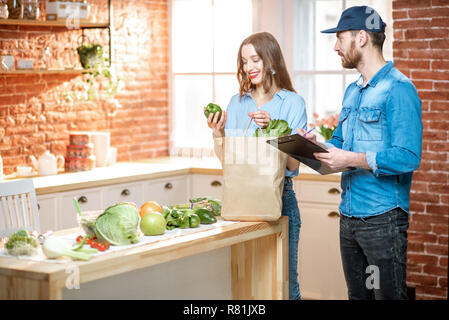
[253, 174]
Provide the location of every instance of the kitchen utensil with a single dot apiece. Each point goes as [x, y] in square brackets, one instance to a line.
[80, 138]
[48, 164]
[101, 142]
[77, 205]
[80, 151]
[41, 237]
[79, 164]
[25, 64]
[87, 221]
[15, 9]
[112, 156]
[4, 9]
[24, 171]
[30, 9]
[7, 62]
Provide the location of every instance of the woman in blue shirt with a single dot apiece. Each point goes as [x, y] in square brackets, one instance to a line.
[266, 92]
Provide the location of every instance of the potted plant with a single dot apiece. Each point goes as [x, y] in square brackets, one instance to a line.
[97, 67]
[90, 55]
[325, 126]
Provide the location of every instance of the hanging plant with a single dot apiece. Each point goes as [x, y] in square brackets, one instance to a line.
[90, 55]
[97, 67]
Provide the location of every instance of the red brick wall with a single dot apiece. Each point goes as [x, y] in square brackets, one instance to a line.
[34, 116]
[421, 52]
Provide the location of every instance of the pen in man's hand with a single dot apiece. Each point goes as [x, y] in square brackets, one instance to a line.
[309, 131]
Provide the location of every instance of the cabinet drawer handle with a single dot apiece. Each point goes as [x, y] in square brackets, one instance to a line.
[125, 192]
[333, 214]
[333, 191]
[82, 199]
[38, 206]
[168, 186]
[215, 183]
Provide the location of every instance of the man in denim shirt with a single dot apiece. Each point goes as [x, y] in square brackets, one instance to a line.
[379, 135]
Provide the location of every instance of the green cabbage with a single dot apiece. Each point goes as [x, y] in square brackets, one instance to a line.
[119, 224]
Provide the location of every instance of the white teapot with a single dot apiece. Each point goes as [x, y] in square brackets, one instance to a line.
[47, 164]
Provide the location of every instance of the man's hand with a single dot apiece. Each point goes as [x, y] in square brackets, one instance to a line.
[338, 159]
[310, 135]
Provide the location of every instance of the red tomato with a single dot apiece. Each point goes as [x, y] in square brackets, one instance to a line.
[79, 239]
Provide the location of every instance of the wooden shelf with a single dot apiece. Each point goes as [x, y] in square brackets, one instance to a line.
[36, 71]
[59, 23]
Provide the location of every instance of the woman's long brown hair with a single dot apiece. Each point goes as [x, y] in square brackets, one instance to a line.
[268, 49]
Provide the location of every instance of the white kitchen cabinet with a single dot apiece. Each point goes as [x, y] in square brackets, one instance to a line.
[206, 185]
[58, 211]
[167, 191]
[130, 192]
[47, 206]
[319, 261]
[88, 199]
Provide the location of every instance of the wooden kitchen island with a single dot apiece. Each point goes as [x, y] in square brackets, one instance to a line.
[259, 262]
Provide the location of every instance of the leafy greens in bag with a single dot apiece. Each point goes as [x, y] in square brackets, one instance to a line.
[275, 128]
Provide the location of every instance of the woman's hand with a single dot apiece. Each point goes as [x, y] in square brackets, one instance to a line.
[261, 118]
[216, 125]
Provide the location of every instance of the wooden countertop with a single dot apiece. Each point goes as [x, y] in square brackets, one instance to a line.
[125, 172]
[54, 275]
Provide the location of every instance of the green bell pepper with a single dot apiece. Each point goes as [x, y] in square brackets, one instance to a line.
[194, 221]
[212, 108]
[184, 222]
[206, 217]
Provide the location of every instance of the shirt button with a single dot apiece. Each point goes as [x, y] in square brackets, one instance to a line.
[347, 188]
[350, 149]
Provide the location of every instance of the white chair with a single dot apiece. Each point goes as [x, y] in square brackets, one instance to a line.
[18, 207]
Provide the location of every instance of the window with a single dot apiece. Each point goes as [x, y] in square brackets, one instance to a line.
[318, 74]
[205, 35]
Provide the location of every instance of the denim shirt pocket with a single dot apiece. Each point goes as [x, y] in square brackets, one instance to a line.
[369, 124]
[342, 118]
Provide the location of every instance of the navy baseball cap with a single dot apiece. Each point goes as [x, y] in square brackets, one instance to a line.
[359, 18]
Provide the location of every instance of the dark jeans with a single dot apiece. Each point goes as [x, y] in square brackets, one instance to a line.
[374, 254]
[290, 209]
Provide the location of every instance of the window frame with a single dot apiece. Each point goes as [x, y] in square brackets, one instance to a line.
[190, 151]
[313, 72]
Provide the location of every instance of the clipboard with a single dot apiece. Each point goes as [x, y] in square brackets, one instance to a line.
[302, 149]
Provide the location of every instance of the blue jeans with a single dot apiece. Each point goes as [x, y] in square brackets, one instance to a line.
[374, 254]
[291, 210]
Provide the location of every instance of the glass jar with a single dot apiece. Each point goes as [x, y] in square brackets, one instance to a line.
[30, 9]
[4, 9]
[15, 9]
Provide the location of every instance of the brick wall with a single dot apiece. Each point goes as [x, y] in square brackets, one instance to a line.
[34, 116]
[421, 52]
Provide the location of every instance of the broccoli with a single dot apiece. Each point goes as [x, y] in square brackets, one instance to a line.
[21, 243]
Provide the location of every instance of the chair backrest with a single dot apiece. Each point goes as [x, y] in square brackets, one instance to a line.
[18, 207]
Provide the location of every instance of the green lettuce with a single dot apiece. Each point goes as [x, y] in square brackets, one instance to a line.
[119, 224]
[275, 128]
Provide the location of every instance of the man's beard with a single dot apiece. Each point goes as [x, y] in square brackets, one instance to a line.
[352, 58]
